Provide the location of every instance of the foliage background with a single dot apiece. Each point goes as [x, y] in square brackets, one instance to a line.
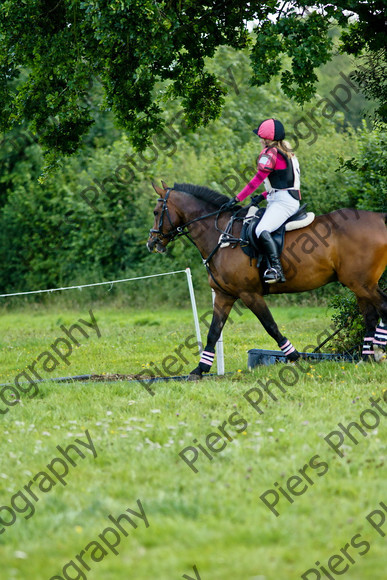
[50, 236]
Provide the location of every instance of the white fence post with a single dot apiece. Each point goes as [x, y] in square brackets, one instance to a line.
[194, 309]
[219, 348]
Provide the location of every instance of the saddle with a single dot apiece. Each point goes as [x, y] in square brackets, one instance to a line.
[248, 240]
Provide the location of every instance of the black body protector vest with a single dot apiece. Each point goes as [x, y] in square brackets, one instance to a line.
[288, 178]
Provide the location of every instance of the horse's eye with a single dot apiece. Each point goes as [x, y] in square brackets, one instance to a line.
[155, 213]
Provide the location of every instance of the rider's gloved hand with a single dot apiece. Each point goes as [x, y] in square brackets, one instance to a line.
[230, 204]
[257, 199]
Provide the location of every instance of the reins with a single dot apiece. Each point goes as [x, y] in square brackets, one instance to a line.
[179, 231]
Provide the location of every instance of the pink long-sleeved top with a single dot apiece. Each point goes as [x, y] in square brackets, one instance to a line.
[268, 161]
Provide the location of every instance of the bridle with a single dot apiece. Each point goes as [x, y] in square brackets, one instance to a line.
[180, 230]
[164, 211]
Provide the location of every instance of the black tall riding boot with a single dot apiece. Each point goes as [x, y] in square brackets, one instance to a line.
[274, 273]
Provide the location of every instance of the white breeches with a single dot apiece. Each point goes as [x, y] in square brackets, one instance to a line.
[281, 205]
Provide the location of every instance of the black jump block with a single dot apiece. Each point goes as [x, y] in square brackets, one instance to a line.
[258, 357]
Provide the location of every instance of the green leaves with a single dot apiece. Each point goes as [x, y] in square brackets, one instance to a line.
[50, 50]
[89, 220]
[367, 173]
[304, 40]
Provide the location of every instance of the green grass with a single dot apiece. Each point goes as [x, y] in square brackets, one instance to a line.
[214, 518]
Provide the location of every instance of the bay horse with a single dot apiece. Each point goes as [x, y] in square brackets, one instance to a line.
[348, 246]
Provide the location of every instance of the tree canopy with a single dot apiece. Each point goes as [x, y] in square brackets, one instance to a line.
[148, 53]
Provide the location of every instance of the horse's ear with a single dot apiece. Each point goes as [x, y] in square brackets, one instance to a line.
[165, 186]
[158, 190]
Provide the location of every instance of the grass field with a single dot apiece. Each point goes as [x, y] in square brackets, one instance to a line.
[212, 519]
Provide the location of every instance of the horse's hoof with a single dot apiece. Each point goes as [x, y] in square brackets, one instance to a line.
[293, 356]
[379, 354]
[195, 375]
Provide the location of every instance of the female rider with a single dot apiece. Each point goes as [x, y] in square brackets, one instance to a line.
[278, 168]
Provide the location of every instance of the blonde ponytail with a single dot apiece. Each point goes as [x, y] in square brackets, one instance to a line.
[283, 146]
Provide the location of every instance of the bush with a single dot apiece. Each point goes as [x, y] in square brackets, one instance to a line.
[366, 174]
[347, 315]
[367, 185]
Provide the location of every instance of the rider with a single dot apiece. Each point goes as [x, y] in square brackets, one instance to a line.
[278, 168]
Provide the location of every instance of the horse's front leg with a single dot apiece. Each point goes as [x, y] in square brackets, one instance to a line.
[222, 306]
[258, 306]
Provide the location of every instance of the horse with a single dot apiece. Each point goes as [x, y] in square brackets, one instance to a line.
[347, 245]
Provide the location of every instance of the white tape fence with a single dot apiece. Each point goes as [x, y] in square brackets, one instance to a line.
[187, 272]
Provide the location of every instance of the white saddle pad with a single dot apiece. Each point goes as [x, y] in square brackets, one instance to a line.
[300, 223]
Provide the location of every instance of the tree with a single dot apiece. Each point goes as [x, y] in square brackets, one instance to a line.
[146, 53]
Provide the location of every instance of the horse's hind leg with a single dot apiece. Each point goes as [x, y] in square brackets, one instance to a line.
[371, 317]
[382, 305]
[380, 336]
[258, 306]
[373, 305]
[222, 306]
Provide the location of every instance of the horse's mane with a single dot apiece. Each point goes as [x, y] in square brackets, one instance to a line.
[203, 193]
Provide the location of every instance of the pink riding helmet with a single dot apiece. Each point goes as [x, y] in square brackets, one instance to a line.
[271, 129]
